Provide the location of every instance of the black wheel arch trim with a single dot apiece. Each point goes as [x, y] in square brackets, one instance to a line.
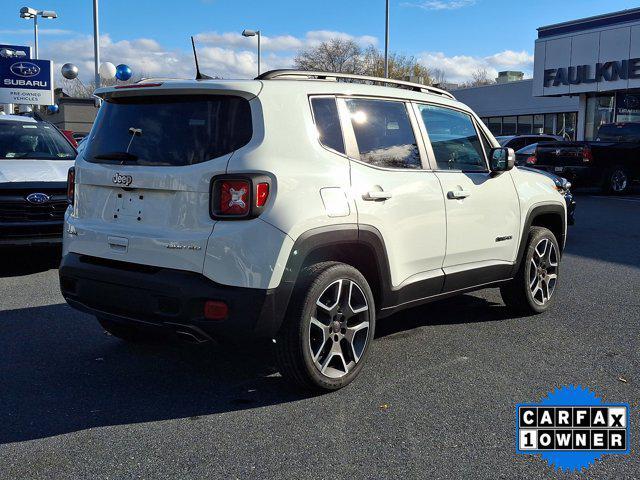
[532, 214]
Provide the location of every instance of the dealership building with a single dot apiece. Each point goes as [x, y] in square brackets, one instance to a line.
[586, 73]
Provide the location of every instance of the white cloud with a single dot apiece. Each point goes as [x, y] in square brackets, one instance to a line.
[229, 55]
[459, 68]
[280, 43]
[440, 4]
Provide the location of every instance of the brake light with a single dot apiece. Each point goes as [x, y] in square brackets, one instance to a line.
[531, 160]
[234, 198]
[215, 310]
[262, 194]
[71, 185]
[69, 135]
[139, 85]
[587, 155]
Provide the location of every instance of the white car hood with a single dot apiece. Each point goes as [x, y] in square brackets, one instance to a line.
[28, 170]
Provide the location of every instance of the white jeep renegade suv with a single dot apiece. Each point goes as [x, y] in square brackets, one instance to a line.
[300, 207]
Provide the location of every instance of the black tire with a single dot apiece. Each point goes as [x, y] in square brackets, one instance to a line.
[124, 332]
[299, 340]
[617, 181]
[519, 292]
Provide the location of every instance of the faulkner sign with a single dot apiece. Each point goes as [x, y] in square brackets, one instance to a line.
[27, 81]
[600, 72]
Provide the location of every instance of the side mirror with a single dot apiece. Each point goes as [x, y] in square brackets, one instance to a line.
[502, 159]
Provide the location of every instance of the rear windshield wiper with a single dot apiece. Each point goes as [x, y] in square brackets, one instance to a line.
[120, 156]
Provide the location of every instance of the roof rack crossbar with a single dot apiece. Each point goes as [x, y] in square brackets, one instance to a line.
[290, 73]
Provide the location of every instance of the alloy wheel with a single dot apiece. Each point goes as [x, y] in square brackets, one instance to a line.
[339, 328]
[619, 181]
[543, 271]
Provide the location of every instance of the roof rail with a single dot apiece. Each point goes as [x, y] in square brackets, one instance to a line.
[315, 75]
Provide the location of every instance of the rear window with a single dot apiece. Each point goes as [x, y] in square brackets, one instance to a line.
[620, 132]
[169, 130]
[30, 140]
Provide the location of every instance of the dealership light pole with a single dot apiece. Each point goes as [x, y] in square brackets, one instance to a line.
[386, 42]
[96, 45]
[32, 13]
[254, 33]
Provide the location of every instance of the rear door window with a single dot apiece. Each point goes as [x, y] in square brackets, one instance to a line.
[454, 139]
[384, 133]
[325, 114]
[169, 130]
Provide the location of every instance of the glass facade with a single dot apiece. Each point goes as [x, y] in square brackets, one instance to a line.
[552, 123]
[600, 109]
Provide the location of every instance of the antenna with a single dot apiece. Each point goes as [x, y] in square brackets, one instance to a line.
[199, 75]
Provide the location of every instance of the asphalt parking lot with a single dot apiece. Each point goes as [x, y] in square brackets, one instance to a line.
[435, 401]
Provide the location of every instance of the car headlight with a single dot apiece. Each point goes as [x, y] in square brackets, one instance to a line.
[562, 184]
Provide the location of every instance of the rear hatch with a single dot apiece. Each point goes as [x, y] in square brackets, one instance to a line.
[143, 180]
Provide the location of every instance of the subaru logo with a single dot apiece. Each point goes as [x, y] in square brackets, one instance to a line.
[38, 198]
[25, 69]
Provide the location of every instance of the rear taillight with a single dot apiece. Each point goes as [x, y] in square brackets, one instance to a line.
[231, 198]
[215, 310]
[587, 155]
[71, 185]
[262, 194]
[69, 135]
[239, 197]
[531, 160]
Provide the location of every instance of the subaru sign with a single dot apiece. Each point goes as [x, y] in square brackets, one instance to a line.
[26, 81]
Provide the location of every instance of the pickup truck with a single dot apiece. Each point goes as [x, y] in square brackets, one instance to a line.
[611, 162]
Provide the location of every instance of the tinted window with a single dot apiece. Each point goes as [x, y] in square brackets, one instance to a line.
[33, 140]
[384, 134]
[517, 143]
[325, 114]
[621, 132]
[169, 130]
[453, 138]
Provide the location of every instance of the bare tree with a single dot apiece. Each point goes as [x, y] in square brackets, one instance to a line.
[76, 88]
[479, 78]
[336, 55]
[438, 76]
[401, 67]
[346, 56]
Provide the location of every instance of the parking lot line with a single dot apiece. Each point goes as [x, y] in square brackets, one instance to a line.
[624, 199]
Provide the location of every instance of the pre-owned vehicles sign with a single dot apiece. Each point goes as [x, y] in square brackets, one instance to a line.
[26, 81]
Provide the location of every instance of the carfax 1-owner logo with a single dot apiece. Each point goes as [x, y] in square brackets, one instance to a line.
[571, 428]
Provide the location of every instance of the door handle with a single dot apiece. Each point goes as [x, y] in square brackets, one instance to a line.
[376, 195]
[458, 194]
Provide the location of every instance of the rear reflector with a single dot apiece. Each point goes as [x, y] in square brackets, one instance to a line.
[262, 194]
[71, 185]
[215, 310]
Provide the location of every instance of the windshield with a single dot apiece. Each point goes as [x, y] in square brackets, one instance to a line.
[169, 130]
[30, 140]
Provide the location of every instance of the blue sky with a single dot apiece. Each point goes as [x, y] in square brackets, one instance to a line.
[458, 36]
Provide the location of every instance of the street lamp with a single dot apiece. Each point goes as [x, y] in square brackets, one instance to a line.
[32, 13]
[254, 33]
[386, 42]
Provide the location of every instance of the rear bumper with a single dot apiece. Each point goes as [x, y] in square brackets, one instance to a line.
[164, 298]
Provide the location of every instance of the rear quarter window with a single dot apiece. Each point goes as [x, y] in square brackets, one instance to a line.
[325, 115]
[168, 130]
